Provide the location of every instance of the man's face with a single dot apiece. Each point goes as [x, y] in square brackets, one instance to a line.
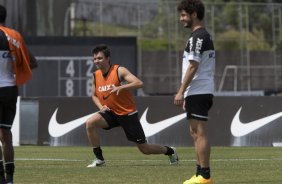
[100, 60]
[186, 19]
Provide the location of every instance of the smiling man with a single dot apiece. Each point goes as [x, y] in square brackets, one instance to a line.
[111, 92]
[196, 91]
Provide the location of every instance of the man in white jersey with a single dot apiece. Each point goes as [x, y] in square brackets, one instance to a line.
[196, 91]
[15, 64]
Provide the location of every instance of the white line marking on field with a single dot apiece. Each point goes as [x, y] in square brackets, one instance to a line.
[245, 159]
[212, 160]
[50, 159]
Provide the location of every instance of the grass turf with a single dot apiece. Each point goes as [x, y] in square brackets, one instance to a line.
[126, 165]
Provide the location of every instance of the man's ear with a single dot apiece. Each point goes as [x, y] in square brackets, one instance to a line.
[194, 14]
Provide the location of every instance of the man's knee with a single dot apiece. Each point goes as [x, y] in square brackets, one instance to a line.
[5, 136]
[91, 122]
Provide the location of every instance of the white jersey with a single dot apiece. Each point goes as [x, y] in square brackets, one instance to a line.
[7, 77]
[200, 48]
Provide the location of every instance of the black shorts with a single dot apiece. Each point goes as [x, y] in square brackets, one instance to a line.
[130, 124]
[198, 106]
[8, 106]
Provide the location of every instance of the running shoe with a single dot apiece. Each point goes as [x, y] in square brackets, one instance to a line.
[198, 180]
[173, 159]
[97, 163]
[191, 180]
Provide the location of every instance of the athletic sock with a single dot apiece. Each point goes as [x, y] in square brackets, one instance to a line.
[169, 151]
[205, 172]
[10, 168]
[98, 153]
[198, 170]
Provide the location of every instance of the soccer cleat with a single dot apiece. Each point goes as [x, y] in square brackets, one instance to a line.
[198, 180]
[191, 180]
[97, 163]
[173, 159]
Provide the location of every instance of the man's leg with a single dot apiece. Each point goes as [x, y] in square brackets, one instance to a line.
[135, 133]
[7, 115]
[194, 136]
[148, 149]
[2, 169]
[197, 115]
[199, 133]
[94, 122]
[8, 153]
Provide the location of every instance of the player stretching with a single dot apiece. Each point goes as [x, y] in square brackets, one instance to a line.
[197, 87]
[111, 93]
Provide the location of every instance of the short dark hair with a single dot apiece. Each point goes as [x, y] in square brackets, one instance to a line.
[102, 48]
[3, 14]
[191, 6]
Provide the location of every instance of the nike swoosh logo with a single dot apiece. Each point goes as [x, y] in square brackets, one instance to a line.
[152, 129]
[56, 130]
[239, 129]
[107, 96]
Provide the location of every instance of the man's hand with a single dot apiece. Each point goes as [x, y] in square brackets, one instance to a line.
[105, 108]
[178, 99]
[116, 89]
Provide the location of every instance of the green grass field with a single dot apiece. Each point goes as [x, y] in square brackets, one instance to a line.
[126, 165]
